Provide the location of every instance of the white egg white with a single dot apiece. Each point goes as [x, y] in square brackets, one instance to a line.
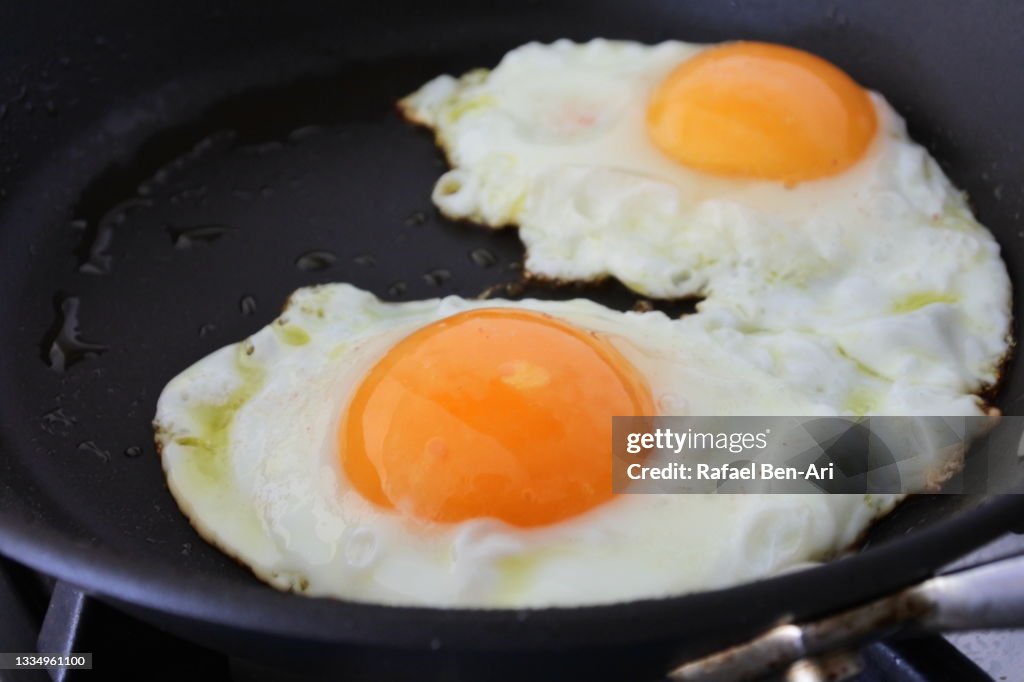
[885, 259]
[249, 446]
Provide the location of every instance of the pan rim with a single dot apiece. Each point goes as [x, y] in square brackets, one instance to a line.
[260, 609]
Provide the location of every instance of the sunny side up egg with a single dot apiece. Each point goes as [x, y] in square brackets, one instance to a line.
[452, 452]
[758, 177]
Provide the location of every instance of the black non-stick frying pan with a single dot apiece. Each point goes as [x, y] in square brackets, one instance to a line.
[166, 170]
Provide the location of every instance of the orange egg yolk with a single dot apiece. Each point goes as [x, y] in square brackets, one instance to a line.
[491, 413]
[762, 111]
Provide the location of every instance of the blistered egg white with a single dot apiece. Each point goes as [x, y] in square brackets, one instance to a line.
[885, 260]
[248, 442]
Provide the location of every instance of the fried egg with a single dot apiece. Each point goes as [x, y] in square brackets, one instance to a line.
[457, 453]
[454, 452]
[758, 177]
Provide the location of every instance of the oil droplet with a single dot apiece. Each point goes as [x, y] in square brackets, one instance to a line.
[365, 260]
[263, 148]
[397, 289]
[132, 451]
[193, 195]
[93, 449]
[483, 258]
[221, 139]
[94, 251]
[437, 277]
[206, 329]
[416, 219]
[57, 422]
[64, 347]
[247, 305]
[186, 237]
[302, 133]
[313, 261]
[98, 261]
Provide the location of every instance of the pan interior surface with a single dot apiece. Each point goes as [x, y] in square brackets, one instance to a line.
[159, 203]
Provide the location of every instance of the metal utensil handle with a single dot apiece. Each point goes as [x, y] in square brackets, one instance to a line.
[987, 597]
[979, 598]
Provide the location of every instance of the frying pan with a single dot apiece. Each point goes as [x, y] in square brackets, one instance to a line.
[160, 164]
